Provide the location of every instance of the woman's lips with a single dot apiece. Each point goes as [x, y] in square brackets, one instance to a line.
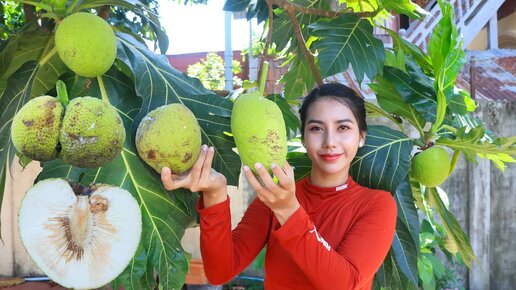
[330, 157]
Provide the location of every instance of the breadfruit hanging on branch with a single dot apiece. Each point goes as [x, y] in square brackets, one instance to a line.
[87, 133]
[86, 43]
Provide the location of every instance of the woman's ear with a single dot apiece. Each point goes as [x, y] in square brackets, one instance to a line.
[361, 143]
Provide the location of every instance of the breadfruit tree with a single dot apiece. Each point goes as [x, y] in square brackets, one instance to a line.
[320, 40]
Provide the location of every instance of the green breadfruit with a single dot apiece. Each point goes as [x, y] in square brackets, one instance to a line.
[92, 133]
[169, 136]
[35, 128]
[259, 130]
[431, 167]
[86, 43]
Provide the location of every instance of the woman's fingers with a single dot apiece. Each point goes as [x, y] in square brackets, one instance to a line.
[206, 168]
[284, 179]
[170, 182]
[196, 170]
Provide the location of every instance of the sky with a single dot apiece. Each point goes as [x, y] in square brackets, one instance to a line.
[200, 28]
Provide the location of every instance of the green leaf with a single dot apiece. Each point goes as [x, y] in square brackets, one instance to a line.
[298, 80]
[138, 8]
[14, 97]
[404, 7]
[282, 30]
[160, 84]
[471, 145]
[447, 58]
[452, 227]
[348, 39]
[165, 215]
[461, 103]
[390, 277]
[236, 5]
[28, 45]
[415, 88]
[391, 101]
[383, 162]
[139, 267]
[406, 239]
[301, 163]
[292, 123]
[408, 48]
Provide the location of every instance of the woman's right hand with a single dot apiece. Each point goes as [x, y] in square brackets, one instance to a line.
[200, 178]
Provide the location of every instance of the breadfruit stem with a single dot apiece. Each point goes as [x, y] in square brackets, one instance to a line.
[103, 89]
[71, 7]
[263, 77]
[62, 94]
[48, 56]
[455, 158]
[37, 4]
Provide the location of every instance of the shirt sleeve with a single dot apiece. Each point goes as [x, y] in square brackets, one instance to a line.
[358, 256]
[226, 253]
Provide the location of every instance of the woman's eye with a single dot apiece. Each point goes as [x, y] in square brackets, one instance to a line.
[315, 128]
[344, 127]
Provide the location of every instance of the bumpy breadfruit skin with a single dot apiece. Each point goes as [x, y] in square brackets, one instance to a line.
[92, 133]
[86, 43]
[35, 128]
[259, 130]
[431, 167]
[169, 136]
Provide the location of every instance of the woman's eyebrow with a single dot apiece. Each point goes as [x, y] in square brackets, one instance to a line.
[345, 121]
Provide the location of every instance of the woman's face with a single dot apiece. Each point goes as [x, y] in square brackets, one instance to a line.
[331, 139]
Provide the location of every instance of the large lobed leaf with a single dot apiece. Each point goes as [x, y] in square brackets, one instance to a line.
[383, 162]
[405, 245]
[30, 79]
[348, 39]
[452, 227]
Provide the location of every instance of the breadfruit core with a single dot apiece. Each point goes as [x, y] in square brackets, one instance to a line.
[431, 167]
[35, 128]
[259, 130]
[169, 136]
[92, 133]
[81, 237]
[86, 43]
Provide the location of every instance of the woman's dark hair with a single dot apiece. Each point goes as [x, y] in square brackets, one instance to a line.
[341, 94]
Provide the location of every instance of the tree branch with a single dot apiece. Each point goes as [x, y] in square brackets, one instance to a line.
[268, 40]
[28, 10]
[104, 12]
[302, 45]
[285, 4]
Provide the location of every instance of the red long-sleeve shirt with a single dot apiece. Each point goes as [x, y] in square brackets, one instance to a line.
[337, 239]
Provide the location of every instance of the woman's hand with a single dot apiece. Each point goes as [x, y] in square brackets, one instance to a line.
[200, 178]
[281, 197]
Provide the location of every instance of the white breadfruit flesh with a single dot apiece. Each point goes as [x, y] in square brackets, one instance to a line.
[80, 237]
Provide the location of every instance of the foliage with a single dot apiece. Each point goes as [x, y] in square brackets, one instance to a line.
[412, 87]
[210, 71]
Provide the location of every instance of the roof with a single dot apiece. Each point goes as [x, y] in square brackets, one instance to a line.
[494, 74]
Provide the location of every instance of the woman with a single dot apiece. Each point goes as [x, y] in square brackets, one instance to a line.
[323, 232]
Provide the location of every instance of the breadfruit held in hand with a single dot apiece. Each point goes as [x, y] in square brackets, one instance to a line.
[259, 130]
[169, 136]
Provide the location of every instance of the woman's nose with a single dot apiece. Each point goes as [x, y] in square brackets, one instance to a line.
[329, 140]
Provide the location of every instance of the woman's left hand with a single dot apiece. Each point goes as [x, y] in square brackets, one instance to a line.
[281, 197]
